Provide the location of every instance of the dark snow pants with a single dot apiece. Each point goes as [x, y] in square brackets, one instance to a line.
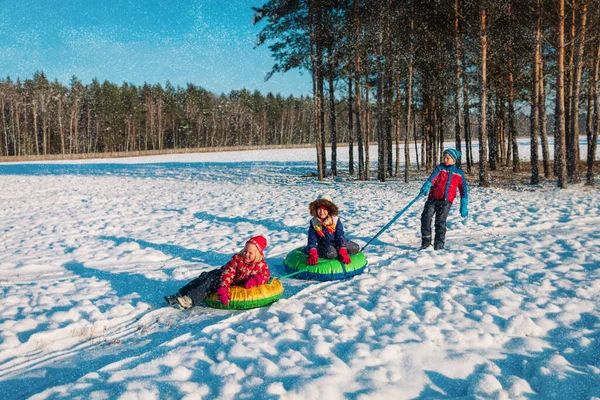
[440, 208]
[199, 288]
[330, 252]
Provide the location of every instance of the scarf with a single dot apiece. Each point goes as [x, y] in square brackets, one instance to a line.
[329, 224]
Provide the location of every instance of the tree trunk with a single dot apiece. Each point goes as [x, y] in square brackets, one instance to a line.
[321, 110]
[19, 150]
[466, 106]
[573, 151]
[89, 129]
[35, 129]
[367, 127]
[535, 98]
[357, 78]
[4, 129]
[542, 114]
[61, 128]
[457, 83]
[332, 127]
[593, 140]
[484, 179]
[409, 98]
[316, 95]
[493, 136]
[559, 140]
[398, 107]
[569, 90]
[511, 98]
[381, 142]
[350, 129]
[414, 129]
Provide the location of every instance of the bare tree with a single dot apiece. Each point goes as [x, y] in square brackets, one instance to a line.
[559, 139]
[484, 178]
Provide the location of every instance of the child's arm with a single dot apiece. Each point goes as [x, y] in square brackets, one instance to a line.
[464, 196]
[463, 188]
[228, 271]
[263, 271]
[260, 276]
[340, 240]
[430, 181]
[312, 236]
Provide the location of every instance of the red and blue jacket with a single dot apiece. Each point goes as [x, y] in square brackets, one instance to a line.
[445, 181]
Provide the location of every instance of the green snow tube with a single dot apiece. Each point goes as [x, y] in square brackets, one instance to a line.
[325, 269]
[243, 299]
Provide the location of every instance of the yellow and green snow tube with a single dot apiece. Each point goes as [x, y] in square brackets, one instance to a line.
[243, 299]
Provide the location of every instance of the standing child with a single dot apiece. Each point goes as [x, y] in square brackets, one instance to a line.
[326, 233]
[444, 181]
[246, 268]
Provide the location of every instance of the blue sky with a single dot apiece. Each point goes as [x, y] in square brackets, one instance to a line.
[206, 42]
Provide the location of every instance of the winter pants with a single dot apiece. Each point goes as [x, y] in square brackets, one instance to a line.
[440, 208]
[199, 288]
[330, 252]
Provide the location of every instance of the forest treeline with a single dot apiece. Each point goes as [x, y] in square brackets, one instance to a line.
[402, 73]
[42, 117]
[426, 70]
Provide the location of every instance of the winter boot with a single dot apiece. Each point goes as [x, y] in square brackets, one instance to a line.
[184, 302]
[171, 299]
[425, 243]
[181, 301]
[438, 246]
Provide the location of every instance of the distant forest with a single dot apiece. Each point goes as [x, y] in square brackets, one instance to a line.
[400, 73]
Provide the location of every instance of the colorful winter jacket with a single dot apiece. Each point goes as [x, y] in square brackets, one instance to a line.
[445, 181]
[330, 233]
[236, 271]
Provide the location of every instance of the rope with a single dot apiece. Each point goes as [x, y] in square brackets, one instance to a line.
[392, 221]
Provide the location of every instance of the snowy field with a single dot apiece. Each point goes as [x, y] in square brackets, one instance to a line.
[510, 310]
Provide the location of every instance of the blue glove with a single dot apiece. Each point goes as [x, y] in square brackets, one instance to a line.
[464, 210]
[425, 188]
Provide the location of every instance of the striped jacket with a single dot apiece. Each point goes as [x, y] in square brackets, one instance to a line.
[237, 272]
[446, 180]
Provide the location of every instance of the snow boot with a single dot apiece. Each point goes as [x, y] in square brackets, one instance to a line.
[425, 243]
[171, 299]
[182, 301]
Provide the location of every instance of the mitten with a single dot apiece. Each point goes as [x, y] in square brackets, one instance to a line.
[223, 294]
[343, 252]
[425, 188]
[313, 257]
[255, 281]
[464, 210]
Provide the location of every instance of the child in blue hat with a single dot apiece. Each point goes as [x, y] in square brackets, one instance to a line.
[444, 182]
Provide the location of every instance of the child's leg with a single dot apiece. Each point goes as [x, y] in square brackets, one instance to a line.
[352, 247]
[426, 217]
[199, 288]
[441, 214]
[327, 252]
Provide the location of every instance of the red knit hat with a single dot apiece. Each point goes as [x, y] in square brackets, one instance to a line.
[260, 242]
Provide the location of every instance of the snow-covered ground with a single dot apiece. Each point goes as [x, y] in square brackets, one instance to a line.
[510, 310]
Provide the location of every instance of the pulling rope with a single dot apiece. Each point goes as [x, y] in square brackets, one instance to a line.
[296, 273]
[392, 221]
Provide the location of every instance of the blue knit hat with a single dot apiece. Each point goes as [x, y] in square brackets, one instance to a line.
[455, 154]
